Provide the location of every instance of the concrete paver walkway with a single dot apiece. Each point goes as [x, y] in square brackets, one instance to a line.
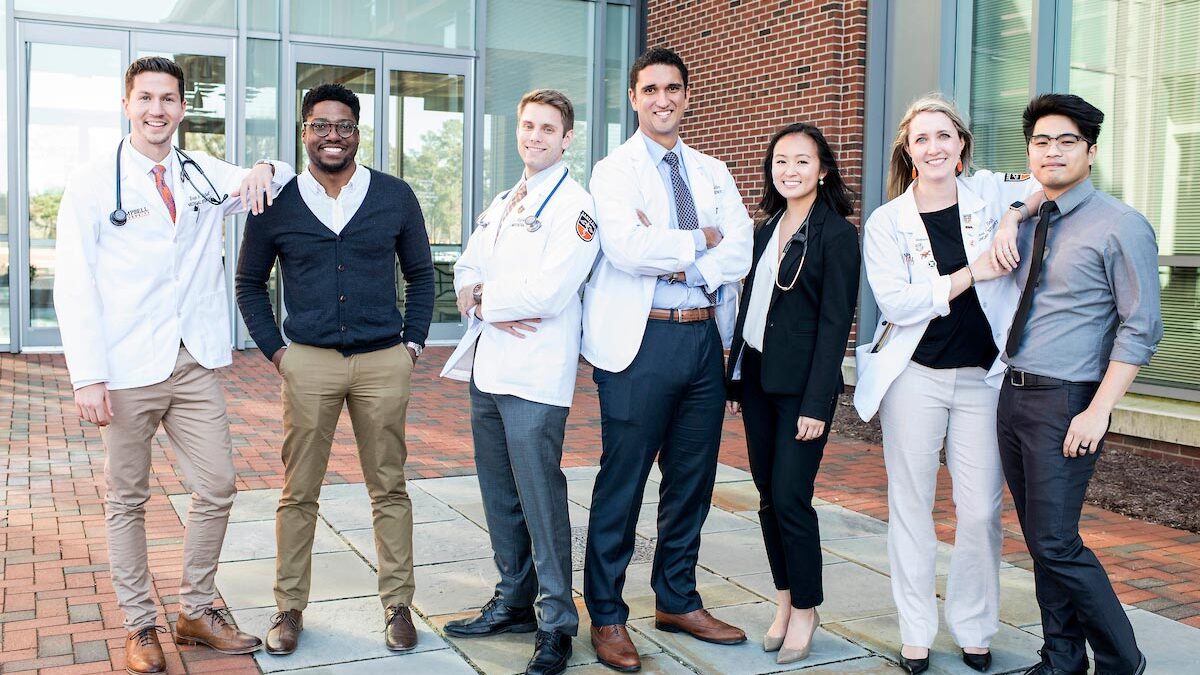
[455, 575]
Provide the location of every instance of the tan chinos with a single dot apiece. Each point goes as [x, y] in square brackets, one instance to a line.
[375, 388]
[190, 405]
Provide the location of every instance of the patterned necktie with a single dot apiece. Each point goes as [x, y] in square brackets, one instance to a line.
[163, 190]
[685, 208]
[1045, 213]
[514, 199]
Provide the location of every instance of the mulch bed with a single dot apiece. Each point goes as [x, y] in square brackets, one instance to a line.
[1155, 490]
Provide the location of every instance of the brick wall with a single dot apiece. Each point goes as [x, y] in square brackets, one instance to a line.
[756, 66]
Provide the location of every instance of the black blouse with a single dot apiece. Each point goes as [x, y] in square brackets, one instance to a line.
[962, 338]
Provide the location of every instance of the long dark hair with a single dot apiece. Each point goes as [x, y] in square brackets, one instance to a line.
[834, 192]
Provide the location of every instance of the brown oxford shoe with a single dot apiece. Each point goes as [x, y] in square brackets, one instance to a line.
[214, 628]
[401, 634]
[700, 625]
[284, 636]
[143, 654]
[614, 648]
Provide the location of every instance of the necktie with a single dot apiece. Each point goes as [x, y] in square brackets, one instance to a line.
[685, 208]
[1045, 213]
[164, 190]
[514, 199]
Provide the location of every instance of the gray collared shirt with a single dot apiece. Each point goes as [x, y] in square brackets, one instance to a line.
[1098, 296]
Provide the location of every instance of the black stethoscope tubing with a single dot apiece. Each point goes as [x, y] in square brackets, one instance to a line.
[119, 217]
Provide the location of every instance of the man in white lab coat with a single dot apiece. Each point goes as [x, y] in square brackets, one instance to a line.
[518, 282]
[143, 314]
[675, 241]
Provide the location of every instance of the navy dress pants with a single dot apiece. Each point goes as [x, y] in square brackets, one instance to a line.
[667, 404]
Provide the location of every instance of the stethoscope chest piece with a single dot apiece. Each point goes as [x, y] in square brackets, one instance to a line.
[531, 223]
[118, 217]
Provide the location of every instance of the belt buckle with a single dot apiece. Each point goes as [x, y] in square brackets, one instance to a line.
[1017, 378]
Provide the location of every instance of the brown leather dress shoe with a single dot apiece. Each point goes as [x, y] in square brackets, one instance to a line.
[284, 636]
[400, 633]
[214, 628]
[143, 654]
[614, 648]
[700, 625]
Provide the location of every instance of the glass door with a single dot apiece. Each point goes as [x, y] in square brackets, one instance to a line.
[415, 124]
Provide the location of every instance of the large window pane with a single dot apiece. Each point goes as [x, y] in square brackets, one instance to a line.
[262, 117]
[263, 15]
[558, 59]
[616, 75]
[1000, 63]
[442, 23]
[5, 285]
[221, 13]
[1139, 62]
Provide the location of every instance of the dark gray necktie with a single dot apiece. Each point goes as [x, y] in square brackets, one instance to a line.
[1045, 213]
[685, 208]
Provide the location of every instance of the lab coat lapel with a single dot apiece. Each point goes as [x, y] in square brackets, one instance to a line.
[654, 193]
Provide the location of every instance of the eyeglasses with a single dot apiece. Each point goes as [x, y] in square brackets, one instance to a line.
[322, 128]
[1065, 142]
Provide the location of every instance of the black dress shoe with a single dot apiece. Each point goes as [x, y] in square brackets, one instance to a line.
[551, 650]
[914, 666]
[980, 662]
[1044, 668]
[495, 618]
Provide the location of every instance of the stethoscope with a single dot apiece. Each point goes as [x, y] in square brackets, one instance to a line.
[119, 217]
[531, 223]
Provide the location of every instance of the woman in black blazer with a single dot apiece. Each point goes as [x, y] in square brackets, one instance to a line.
[785, 365]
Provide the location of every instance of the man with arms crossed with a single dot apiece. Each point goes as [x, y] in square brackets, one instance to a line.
[337, 231]
[141, 303]
[1087, 319]
[675, 241]
[518, 282]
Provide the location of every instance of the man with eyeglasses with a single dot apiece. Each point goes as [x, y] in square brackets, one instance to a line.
[337, 231]
[1087, 319]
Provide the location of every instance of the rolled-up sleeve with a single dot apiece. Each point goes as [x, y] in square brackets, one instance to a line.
[1131, 263]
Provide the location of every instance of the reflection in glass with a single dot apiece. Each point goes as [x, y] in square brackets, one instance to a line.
[221, 13]
[425, 148]
[361, 81]
[558, 59]
[74, 117]
[616, 75]
[1000, 56]
[1125, 54]
[441, 23]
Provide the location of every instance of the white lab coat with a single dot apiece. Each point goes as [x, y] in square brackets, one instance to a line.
[127, 296]
[527, 275]
[618, 298]
[908, 289]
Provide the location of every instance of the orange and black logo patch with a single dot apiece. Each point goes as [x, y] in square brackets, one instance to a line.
[585, 227]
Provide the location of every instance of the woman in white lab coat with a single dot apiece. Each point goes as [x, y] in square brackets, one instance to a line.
[933, 370]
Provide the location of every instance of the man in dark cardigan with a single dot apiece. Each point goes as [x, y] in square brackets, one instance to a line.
[337, 231]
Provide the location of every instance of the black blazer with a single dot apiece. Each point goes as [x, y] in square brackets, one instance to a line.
[808, 326]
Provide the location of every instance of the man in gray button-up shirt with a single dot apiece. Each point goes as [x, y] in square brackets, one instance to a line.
[1087, 321]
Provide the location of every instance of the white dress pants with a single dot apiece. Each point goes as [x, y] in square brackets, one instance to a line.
[924, 409]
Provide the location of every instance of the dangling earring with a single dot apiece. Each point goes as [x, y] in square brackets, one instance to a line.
[914, 173]
[958, 169]
[820, 181]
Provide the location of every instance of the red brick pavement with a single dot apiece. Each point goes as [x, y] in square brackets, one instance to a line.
[57, 609]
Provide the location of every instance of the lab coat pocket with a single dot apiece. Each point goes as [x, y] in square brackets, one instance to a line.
[210, 328]
[130, 340]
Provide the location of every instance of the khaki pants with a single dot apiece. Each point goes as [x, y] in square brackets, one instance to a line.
[191, 407]
[375, 387]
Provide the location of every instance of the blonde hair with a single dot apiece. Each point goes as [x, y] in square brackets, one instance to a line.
[900, 167]
[553, 98]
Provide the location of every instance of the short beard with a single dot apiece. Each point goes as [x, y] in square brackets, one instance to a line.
[334, 168]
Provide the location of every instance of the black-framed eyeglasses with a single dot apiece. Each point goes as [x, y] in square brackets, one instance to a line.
[1065, 142]
[322, 128]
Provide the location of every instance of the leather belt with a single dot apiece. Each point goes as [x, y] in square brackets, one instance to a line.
[683, 315]
[1024, 380]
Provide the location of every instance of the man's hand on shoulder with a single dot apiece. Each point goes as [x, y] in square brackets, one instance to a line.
[255, 190]
[93, 404]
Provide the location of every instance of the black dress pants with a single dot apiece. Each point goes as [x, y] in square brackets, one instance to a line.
[667, 404]
[784, 471]
[1073, 591]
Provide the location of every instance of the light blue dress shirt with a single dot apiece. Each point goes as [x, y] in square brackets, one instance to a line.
[690, 294]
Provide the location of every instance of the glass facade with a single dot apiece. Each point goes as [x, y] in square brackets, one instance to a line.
[1000, 50]
[435, 97]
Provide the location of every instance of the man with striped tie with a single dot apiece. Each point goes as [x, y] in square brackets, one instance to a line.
[675, 241]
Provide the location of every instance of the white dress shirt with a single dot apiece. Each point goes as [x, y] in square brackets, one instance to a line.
[760, 293]
[335, 213]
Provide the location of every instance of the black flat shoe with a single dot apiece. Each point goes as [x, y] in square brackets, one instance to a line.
[980, 662]
[551, 651]
[914, 666]
[494, 618]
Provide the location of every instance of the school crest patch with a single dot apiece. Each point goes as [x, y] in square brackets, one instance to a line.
[585, 227]
[1015, 177]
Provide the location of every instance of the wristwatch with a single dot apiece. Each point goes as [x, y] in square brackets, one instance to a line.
[417, 349]
[477, 293]
[1019, 207]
